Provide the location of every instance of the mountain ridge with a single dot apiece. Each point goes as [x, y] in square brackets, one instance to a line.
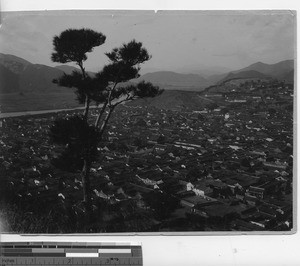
[244, 75]
[171, 79]
[277, 70]
[23, 76]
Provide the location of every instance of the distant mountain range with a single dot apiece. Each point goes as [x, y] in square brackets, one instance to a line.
[19, 75]
[278, 70]
[204, 71]
[283, 70]
[69, 69]
[175, 81]
[244, 75]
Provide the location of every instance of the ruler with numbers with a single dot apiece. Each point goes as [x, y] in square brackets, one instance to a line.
[70, 253]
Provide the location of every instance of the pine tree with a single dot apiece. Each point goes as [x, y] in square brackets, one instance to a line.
[107, 87]
[72, 45]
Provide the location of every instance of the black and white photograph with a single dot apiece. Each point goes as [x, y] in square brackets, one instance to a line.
[147, 122]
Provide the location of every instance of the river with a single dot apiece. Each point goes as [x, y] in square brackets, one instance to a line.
[16, 114]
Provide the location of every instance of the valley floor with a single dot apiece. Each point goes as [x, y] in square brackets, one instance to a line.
[29, 101]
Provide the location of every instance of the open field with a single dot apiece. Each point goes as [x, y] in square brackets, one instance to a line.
[17, 102]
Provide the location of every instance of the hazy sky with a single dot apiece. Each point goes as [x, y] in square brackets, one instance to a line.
[180, 41]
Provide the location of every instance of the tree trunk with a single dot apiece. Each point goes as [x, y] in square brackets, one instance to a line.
[86, 107]
[100, 114]
[105, 122]
[87, 98]
[85, 178]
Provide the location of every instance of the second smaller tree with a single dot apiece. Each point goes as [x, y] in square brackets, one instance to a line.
[124, 66]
